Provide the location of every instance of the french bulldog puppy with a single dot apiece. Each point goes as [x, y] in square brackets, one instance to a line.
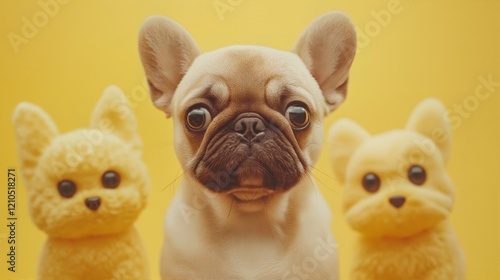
[247, 130]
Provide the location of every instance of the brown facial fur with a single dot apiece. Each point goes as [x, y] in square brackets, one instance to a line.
[229, 160]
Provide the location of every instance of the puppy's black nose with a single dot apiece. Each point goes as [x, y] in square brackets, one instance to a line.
[249, 127]
[93, 203]
[397, 200]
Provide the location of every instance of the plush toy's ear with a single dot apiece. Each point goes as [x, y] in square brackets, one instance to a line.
[428, 119]
[344, 138]
[34, 131]
[167, 50]
[112, 114]
[327, 47]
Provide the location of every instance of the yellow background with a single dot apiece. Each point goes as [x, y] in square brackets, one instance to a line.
[430, 48]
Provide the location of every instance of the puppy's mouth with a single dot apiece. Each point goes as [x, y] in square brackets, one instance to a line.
[247, 194]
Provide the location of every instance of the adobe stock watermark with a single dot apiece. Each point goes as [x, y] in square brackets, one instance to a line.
[455, 116]
[94, 137]
[424, 148]
[74, 155]
[48, 9]
[324, 249]
[222, 7]
[471, 103]
[138, 94]
[380, 20]
[219, 180]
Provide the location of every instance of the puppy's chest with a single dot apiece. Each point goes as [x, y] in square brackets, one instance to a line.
[262, 258]
[254, 257]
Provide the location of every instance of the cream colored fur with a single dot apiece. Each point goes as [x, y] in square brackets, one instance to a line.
[275, 235]
[415, 239]
[84, 243]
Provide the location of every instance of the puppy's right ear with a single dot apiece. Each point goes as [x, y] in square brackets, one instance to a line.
[344, 138]
[167, 50]
[35, 131]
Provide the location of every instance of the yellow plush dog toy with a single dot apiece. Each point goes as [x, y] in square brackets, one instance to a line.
[398, 196]
[85, 190]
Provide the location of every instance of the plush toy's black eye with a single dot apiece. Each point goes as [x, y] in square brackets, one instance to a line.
[198, 119]
[371, 182]
[417, 175]
[66, 188]
[298, 116]
[110, 179]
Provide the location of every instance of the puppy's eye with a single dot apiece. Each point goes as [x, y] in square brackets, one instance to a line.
[417, 175]
[371, 182]
[66, 188]
[110, 179]
[298, 116]
[198, 119]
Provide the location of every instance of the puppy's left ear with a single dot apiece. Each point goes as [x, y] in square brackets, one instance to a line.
[327, 47]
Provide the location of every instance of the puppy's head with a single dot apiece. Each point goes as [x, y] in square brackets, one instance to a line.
[248, 119]
[395, 182]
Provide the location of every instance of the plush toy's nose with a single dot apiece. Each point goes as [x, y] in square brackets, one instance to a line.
[93, 203]
[397, 200]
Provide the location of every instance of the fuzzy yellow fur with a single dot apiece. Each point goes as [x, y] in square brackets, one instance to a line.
[410, 241]
[84, 243]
